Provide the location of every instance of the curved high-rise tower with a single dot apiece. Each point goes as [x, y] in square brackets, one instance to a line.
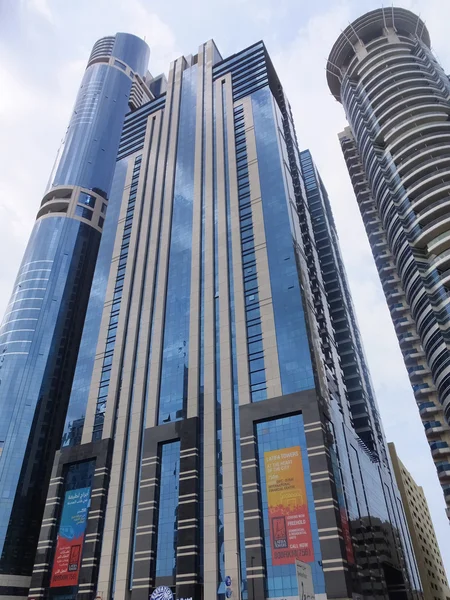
[397, 148]
[41, 330]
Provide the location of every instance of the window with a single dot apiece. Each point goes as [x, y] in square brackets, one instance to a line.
[84, 213]
[86, 199]
[101, 220]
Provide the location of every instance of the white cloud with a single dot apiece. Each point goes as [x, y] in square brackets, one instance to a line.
[41, 7]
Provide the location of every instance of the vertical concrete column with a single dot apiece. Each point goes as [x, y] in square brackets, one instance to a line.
[188, 538]
[145, 545]
[133, 373]
[40, 578]
[210, 549]
[194, 323]
[229, 478]
[116, 424]
[87, 583]
[253, 519]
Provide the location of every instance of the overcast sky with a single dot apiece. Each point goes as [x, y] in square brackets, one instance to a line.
[44, 45]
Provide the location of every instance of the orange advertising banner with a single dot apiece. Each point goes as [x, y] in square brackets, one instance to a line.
[290, 528]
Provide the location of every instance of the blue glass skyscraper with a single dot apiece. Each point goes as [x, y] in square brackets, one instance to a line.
[41, 330]
[214, 420]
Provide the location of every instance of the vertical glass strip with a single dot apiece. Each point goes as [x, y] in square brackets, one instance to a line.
[175, 353]
[166, 545]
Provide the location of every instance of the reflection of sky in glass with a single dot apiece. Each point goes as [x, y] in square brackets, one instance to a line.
[168, 510]
[292, 339]
[86, 356]
[173, 392]
[30, 339]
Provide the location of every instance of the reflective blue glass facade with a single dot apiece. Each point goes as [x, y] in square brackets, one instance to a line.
[167, 518]
[173, 391]
[85, 361]
[41, 330]
[96, 124]
[215, 345]
[294, 353]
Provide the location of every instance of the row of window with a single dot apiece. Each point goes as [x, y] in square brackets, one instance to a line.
[258, 385]
[115, 307]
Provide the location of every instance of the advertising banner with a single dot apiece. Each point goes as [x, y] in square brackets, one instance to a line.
[342, 508]
[66, 564]
[290, 529]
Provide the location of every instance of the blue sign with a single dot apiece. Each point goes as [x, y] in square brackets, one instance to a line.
[228, 593]
[228, 581]
[162, 593]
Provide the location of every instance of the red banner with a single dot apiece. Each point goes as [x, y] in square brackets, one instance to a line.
[66, 564]
[290, 529]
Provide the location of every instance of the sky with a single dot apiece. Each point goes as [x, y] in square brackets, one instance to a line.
[44, 46]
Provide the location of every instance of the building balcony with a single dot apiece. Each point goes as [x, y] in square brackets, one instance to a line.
[391, 282]
[394, 295]
[402, 323]
[433, 230]
[386, 269]
[444, 471]
[439, 449]
[398, 309]
[434, 428]
[440, 243]
[414, 355]
[428, 408]
[431, 194]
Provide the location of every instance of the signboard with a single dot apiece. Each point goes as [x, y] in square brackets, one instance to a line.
[290, 529]
[162, 593]
[304, 581]
[69, 544]
[342, 509]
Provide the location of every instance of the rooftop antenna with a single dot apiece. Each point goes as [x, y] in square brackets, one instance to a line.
[423, 27]
[354, 31]
[348, 40]
[417, 25]
[332, 72]
[384, 16]
[393, 18]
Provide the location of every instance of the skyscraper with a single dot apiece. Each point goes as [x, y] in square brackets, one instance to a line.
[41, 330]
[217, 429]
[426, 548]
[397, 101]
